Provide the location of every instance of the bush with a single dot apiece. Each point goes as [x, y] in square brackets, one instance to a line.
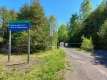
[1, 39]
[102, 33]
[87, 44]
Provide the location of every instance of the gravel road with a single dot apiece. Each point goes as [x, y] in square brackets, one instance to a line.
[88, 66]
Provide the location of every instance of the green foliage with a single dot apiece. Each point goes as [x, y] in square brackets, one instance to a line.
[39, 28]
[74, 30]
[92, 24]
[63, 33]
[53, 21]
[50, 70]
[1, 39]
[103, 30]
[85, 9]
[49, 67]
[87, 44]
[6, 16]
[72, 19]
[2, 68]
[102, 33]
[24, 12]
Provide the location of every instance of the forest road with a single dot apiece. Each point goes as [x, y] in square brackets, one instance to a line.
[88, 66]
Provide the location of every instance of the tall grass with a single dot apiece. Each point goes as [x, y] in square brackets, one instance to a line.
[49, 67]
[2, 69]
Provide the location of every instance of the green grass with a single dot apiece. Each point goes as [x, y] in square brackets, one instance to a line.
[2, 69]
[49, 67]
[79, 49]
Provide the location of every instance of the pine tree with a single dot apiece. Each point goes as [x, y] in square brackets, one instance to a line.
[39, 26]
[85, 9]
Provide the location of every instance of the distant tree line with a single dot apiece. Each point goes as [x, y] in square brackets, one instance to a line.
[39, 28]
[88, 23]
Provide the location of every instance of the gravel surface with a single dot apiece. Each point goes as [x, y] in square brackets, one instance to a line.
[88, 66]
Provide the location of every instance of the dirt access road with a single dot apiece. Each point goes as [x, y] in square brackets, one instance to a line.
[88, 66]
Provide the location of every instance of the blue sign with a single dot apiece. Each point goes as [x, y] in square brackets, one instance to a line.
[19, 25]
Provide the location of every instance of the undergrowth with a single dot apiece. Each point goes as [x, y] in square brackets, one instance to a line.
[50, 65]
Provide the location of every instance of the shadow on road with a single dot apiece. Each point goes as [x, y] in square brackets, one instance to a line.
[100, 57]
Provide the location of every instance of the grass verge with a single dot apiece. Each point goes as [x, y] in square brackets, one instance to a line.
[49, 67]
[79, 49]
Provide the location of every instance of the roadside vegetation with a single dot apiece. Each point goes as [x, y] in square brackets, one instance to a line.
[39, 28]
[88, 22]
[87, 44]
[50, 66]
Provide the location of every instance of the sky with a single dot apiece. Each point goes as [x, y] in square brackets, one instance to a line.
[62, 9]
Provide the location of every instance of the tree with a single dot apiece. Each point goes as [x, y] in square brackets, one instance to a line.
[24, 12]
[19, 39]
[94, 21]
[6, 16]
[72, 24]
[72, 20]
[90, 24]
[85, 9]
[39, 27]
[102, 33]
[74, 29]
[63, 33]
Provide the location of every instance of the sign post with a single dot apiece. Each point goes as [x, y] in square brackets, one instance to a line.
[19, 25]
[9, 46]
[51, 33]
[28, 46]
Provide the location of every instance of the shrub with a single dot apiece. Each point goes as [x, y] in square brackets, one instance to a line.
[1, 39]
[87, 44]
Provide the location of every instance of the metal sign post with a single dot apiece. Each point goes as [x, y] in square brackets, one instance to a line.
[28, 45]
[51, 33]
[9, 53]
[19, 25]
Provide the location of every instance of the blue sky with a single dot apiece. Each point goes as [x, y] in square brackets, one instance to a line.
[62, 9]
